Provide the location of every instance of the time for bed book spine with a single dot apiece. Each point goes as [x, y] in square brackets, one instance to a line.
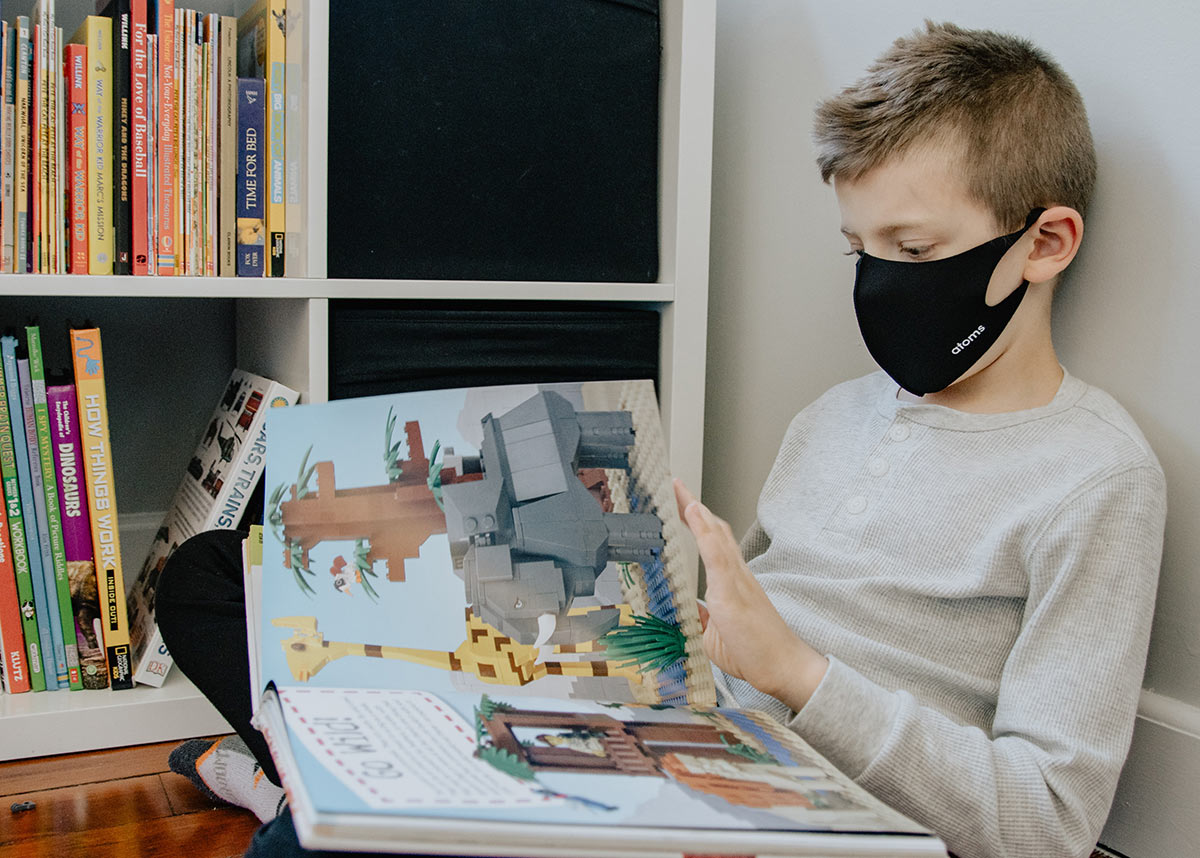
[251, 178]
[88, 361]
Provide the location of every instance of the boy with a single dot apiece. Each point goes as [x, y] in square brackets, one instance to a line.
[953, 566]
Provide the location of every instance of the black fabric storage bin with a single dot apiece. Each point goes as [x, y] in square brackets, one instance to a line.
[388, 347]
[494, 139]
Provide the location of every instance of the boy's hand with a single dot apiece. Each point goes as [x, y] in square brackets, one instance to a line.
[743, 633]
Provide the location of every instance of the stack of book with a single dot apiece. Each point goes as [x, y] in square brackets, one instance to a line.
[150, 142]
[67, 619]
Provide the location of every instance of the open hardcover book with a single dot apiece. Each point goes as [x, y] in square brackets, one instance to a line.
[473, 631]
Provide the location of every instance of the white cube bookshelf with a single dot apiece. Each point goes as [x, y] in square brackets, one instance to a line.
[187, 333]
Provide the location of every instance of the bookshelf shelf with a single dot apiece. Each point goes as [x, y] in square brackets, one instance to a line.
[312, 288]
[177, 339]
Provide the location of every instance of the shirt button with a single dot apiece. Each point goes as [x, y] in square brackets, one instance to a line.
[856, 505]
[898, 432]
[877, 467]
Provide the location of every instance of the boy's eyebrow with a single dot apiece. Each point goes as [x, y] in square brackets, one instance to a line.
[886, 231]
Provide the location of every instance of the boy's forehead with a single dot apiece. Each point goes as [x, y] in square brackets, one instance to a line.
[909, 190]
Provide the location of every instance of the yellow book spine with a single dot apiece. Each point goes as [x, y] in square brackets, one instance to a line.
[101, 246]
[276, 106]
[88, 361]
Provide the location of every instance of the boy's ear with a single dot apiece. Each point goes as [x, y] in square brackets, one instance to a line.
[1057, 234]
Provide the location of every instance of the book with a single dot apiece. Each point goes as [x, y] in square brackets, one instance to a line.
[16, 525]
[218, 481]
[96, 32]
[13, 665]
[504, 653]
[140, 129]
[119, 14]
[49, 502]
[227, 147]
[21, 160]
[77, 533]
[92, 397]
[8, 145]
[19, 495]
[166, 141]
[37, 534]
[251, 207]
[77, 134]
[262, 54]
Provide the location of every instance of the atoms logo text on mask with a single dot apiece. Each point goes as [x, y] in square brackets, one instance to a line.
[962, 345]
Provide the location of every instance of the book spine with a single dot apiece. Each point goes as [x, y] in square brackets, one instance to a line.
[181, 142]
[122, 119]
[16, 525]
[100, 142]
[61, 179]
[139, 129]
[33, 551]
[21, 159]
[54, 532]
[212, 78]
[234, 456]
[40, 527]
[12, 638]
[251, 242]
[166, 140]
[227, 147]
[276, 116]
[77, 534]
[77, 133]
[7, 257]
[152, 150]
[90, 392]
[37, 177]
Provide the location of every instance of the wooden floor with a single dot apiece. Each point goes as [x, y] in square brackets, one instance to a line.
[123, 803]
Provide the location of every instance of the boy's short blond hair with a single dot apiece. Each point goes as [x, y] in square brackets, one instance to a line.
[1017, 116]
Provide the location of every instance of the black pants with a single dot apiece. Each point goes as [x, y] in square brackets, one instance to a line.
[201, 611]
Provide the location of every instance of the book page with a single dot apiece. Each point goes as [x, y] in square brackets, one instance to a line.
[461, 540]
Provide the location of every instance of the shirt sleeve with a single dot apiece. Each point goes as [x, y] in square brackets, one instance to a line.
[1041, 781]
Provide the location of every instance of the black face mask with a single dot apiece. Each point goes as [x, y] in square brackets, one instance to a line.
[926, 323]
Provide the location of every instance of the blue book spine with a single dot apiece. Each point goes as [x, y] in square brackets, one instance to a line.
[37, 489]
[251, 184]
[8, 349]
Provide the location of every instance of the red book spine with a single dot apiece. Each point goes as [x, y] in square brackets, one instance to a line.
[167, 139]
[75, 72]
[12, 640]
[140, 126]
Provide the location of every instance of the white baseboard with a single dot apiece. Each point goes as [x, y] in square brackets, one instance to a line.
[1155, 813]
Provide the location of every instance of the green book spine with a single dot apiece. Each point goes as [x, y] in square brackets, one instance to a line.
[16, 529]
[62, 583]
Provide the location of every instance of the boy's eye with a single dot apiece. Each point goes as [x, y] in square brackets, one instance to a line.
[919, 252]
[854, 251]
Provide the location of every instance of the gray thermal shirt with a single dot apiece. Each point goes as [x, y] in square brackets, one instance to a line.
[983, 585]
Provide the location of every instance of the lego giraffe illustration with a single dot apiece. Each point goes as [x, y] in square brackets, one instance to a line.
[489, 655]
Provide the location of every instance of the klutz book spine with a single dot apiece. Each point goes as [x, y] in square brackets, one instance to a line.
[21, 498]
[16, 528]
[54, 532]
[77, 533]
[77, 134]
[12, 638]
[88, 361]
[251, 240]
[218, 482]
[36, 526]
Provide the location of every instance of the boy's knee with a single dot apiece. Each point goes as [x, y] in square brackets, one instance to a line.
[204, 571]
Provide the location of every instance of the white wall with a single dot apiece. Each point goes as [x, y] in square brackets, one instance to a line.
[781, 324]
